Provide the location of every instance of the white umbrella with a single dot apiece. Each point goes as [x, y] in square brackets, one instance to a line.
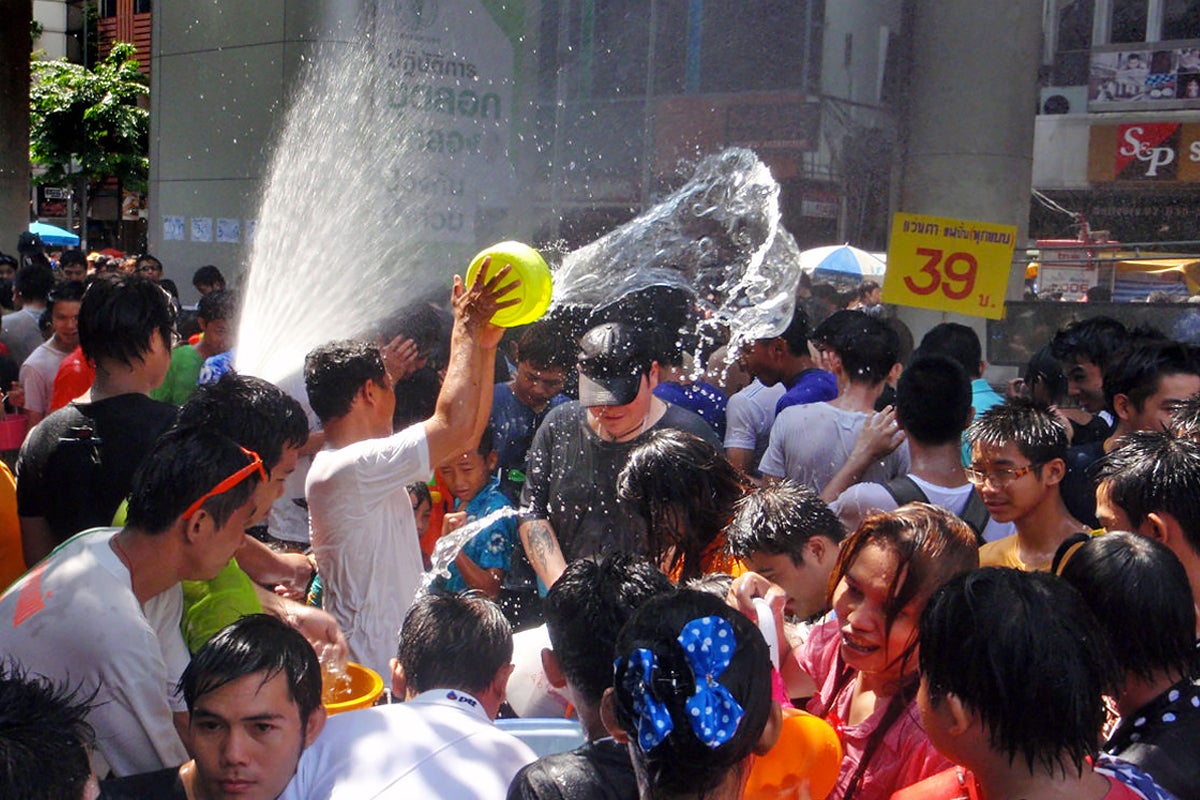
[841, 261]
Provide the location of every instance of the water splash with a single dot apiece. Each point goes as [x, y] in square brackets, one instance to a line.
[449, 546]
[337, 246]
[717, 239]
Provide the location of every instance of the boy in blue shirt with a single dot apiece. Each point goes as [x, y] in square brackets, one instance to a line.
[484, 559]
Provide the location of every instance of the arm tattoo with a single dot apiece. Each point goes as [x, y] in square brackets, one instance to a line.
[542, 541]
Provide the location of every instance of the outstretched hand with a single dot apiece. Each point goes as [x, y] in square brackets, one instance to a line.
[400, 358]
[879, 436]
[474, 306]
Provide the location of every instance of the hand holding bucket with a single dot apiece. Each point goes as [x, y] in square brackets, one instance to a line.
[530, 269]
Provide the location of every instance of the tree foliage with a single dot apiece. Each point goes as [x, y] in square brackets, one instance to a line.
[91, 117]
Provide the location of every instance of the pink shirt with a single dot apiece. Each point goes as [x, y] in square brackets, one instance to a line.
[905, 755]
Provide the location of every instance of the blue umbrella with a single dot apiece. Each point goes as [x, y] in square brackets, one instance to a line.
[842, 261]
[52, 235]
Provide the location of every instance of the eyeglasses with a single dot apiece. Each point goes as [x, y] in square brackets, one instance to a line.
[233, 480]
[999, 478]
[550, 384]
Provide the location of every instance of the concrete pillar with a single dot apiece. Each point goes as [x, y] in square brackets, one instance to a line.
[967, 131]
[15, 46]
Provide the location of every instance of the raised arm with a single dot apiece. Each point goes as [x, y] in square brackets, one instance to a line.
[466, 394]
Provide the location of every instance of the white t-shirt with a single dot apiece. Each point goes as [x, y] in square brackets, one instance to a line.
[863, 498]
[748, 418]
[440, 744]
[75, 619]
[37, 375]
[365, 538]
[810, 443]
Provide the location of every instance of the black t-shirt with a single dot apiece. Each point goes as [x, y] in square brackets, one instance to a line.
[1078, 487]
[163, 784]
[572, 481]
[77, 480]
[596, 771]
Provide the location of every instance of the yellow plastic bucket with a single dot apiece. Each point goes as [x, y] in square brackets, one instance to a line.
[365, 688]
[530, 268]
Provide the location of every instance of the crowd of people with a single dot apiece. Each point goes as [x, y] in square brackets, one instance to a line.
[981, 593]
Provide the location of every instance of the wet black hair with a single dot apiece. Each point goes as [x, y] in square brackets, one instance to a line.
[585, 610]
[44, 736]
[252, 644]
[1044, 368]
[454, 641]
[1155, 472]
[182, 466]
[796, 334]
[956, 341]
[1185, 417]
[70, 257]
[686, 489]
[34, 281]
[120, 315]
[1037, 433]
[218, 304]
[254, 413]
[681, 763]
[1138, 370]
[1127, 580]
[985, 634]
[208, 275]
[941, 421]
[65, 292]
[421, 490]
[779, 519]
[1095, 339]
[487, 444]
[547, 344]
[867, 348]
[334, 372]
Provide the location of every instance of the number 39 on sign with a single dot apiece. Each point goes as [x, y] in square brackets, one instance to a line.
[949, 264]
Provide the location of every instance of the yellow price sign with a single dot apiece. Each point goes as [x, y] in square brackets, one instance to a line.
[949, 264]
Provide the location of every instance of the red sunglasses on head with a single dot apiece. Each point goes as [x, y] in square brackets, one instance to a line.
[233, 480]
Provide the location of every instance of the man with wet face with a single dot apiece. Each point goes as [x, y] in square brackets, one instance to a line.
[570, 497]
[72, 266]
[253, 695]
[1085, 348]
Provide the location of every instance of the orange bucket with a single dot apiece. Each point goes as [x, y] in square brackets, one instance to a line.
[365, 688]
[808, 748]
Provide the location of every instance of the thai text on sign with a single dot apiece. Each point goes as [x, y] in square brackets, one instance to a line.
[947, 264]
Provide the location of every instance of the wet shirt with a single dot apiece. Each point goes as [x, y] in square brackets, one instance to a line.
[703, 398]
[513, 425]
[572, 482]
[599, 770]
[492, 547]
[1163, 738]
[810, 386]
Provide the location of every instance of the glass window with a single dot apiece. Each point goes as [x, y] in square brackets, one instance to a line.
[141, 6]
[1128, 21]
[108, 8]
[1181, 19]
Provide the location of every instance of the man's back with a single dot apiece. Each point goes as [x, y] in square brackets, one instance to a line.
[77, 480]
[21, 333]
[75, 619]
[57, 475]
[599, 770]
[810, 443]
[439, 744]
[364, 537]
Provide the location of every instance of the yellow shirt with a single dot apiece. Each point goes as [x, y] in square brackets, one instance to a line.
[1004, 553]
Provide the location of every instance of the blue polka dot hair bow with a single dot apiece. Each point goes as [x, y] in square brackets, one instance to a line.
[654, 719]
[708, 644]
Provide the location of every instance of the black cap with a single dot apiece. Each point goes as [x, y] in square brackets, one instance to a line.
[612, 360]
